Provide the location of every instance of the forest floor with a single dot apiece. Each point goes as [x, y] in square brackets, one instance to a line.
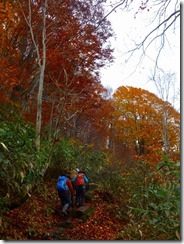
[39, 218]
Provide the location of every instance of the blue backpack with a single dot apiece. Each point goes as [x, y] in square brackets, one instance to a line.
[61, 185]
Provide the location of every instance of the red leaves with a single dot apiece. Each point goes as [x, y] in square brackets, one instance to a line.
[40, 215]
[101, 226]
[57, 139]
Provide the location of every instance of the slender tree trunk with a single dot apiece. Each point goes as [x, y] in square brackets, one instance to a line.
[41, 62]
[41, 81]
[39, 108]
[165, 85]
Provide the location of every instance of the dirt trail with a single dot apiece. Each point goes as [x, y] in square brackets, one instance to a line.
[39, 218]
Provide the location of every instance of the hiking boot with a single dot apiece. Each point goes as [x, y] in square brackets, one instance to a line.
[65, 207]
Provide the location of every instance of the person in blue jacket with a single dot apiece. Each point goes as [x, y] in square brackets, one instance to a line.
[80, 181]
[65, 192]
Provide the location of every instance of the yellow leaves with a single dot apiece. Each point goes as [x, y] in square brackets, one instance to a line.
[31, 165]
[4, 146]
[22, 175]
[177, 235]
[27, 189]
[139, 119]
[91, 145]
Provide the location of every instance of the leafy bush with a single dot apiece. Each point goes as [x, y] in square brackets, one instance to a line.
[20, 163]
[154, 209]
[69, 154]
[111, 180]
[62, 158]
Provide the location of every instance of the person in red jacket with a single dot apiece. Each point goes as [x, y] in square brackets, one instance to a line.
[80, 181]
[65, 192]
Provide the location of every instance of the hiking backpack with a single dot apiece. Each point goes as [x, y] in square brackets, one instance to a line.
[61, 185]
[80, 180]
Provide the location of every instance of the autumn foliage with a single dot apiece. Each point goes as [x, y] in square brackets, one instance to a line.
[126, 141]
[74, 101]
[146, 123]
[75, 52]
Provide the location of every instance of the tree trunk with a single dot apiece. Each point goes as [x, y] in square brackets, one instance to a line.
[39, 108]
[41, 82]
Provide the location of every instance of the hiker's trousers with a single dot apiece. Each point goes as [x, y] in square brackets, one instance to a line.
[80, 195]
[65, 197]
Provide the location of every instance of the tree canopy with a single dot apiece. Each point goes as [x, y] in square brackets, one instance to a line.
[55, 115]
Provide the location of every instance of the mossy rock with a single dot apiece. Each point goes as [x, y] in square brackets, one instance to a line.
[66, 224]
[89, 196]
[84, 212]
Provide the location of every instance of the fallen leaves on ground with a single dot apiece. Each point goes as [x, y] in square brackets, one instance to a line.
[41, 215]
[101, 226]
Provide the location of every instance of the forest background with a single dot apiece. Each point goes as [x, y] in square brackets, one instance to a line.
[56, 115]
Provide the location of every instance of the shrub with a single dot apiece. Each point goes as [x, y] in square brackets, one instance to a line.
[20, 163]
[73, 154]
[154, 210]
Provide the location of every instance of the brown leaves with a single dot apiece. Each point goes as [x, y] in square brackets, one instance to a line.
[40, 215]
[34, 217]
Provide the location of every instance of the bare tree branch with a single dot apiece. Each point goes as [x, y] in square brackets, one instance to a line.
[166, 15]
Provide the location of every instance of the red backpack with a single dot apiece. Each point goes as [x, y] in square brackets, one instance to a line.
[80, 180]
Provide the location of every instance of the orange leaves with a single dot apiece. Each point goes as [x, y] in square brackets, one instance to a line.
[9, 56]
[139, 121]
[6, 11]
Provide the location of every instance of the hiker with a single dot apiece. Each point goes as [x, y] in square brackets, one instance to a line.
[73, 174]
[80, 186]
[65, 192]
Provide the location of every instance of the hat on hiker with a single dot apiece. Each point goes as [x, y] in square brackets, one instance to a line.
[77, 170]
